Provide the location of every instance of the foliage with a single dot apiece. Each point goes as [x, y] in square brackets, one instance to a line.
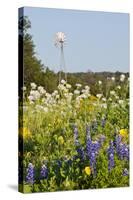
[75, 139]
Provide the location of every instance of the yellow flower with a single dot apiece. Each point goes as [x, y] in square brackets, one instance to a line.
[25, 133]
[88, 170]
[60, 140]
[123, 132]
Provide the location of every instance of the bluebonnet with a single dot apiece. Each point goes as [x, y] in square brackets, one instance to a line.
[101, 140]
[80, 152]
[30, 174]
[79, 148]
[93, 162]
[92, 149]
[44, 172]
[122, 149]
[88, 147]
[110, 152]
[95, 146]
[125, 172]
[117, 143]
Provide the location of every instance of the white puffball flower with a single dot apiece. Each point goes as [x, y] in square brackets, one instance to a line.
[61, 87]
[117, 97]
[100, 82]
[112, 92]
[23, 88]
[76, 92]
[31, 98]
[63, 82]
[119, 87]
[68, 86]
[87, 87]
[121, 102]
[104, 105]
[41, 90]
[33, 86]
[70, 94]
[113, 78]
[99, 95]
[54, 93]
[57, 96]
[103, 99]
[45, 109]
[122, 77]
[83, 96]
[78, 85]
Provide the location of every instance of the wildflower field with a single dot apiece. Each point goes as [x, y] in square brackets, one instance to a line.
[72, 139]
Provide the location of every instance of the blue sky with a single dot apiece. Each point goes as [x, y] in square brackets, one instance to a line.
[96, 41]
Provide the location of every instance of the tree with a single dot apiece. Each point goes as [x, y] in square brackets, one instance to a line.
[28, 61]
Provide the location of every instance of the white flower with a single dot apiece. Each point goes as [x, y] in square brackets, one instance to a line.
[121, 102]
[35, 94]
[24, 88]
[45, 109]
[54, 93]
[41, 90]
[87, 87]
[63, 81]
[78, 85]
[61, 87]
[33, 86]
[103, 99]
[83, 91]
[48, 95]
[83, 96]
[122, 77]
[57, 96]
[65, 90]
[68, 86]
[113, 78]
[70, 94]
[119, 87]
[117, 97]
[104, 105]
[31, 98]
[99, 95]
[112, 92]
[100, 82]
[76, 92]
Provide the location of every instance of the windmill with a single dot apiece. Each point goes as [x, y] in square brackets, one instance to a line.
[60, 40]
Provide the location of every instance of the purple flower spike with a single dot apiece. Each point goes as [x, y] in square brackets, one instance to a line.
[30, 174]
[110, 153]
[44, 172]
[125, 172]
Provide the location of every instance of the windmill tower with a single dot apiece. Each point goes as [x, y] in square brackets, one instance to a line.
[60, 40]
